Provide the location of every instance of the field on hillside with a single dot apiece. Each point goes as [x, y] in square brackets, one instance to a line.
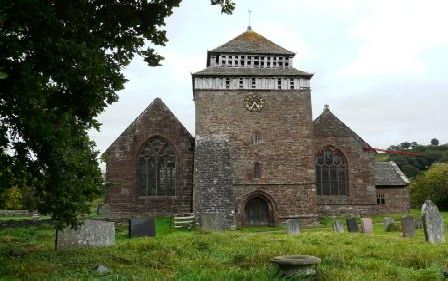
[230, 255]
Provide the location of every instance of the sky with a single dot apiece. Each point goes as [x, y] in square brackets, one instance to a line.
[381, 65]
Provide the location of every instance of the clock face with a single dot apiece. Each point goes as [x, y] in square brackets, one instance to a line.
[253, 102]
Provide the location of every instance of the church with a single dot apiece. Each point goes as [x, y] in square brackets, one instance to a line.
[257, 157]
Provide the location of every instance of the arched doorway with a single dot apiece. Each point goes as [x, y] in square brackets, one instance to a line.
[258, 213]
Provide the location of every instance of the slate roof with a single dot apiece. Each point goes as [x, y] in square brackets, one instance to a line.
[388, 174]
[245, 71]
[250, 42]
[328, 125]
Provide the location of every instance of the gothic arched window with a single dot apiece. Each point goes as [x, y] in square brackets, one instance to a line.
[156, 170]
[331, 172]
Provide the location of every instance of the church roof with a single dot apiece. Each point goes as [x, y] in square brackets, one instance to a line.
[156, 107]
[328, 125]
[388, 174]
[246, 71]
[250, 42]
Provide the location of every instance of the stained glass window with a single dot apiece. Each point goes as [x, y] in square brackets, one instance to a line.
[331, 172]
[156, 169]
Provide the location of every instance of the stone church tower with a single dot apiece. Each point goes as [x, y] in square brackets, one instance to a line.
[253, 155]
[257, 157]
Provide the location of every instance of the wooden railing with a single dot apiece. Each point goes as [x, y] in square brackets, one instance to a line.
[183, 221]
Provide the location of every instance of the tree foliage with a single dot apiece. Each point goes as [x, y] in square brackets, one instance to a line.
[61, 64]
[433, 185]
[415, 165]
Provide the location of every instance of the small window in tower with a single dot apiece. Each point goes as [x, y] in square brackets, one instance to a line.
[380, 199]
[257, 137]
[291, 83]
[253, 82]
[257, 170]
[256, 61]
[241, 83]
[279, 83]
[227, 83]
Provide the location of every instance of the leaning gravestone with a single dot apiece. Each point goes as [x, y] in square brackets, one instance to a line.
[408, 226]
[366, 225]
[292, 225]
[142, 227]
[92, 233]
[338, 226]
[352, 226]
[389, 224]
[212, 221]
[433, 225]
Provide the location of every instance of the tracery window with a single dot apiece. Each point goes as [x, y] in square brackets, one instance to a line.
[331, 172]
[156, 169]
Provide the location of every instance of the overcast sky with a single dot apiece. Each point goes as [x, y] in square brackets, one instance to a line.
[381, 65]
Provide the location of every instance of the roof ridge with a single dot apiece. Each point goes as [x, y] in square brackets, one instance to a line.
[148, 109]
[327, 113]
[251, 42]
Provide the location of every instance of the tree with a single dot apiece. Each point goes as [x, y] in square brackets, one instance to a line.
[61, 64]
[433, 184]
[435, 141]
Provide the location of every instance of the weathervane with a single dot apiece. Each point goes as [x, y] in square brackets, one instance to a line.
[248, 27]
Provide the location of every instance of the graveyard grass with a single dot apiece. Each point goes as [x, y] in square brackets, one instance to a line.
[230, 255]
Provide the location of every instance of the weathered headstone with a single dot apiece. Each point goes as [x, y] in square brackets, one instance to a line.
[408, 226]
[212, 221]
[292, 225]
[418, 223]
[366, 225]
[92, 233]
[433, 225]
[142, 227]
[352, 226]
[338, 226]
[389, 224]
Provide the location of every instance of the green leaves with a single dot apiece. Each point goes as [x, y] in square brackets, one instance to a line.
[60, 66]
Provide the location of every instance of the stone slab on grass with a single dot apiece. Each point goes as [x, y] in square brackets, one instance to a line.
[142, 227]
[433, 224]
[92, 233]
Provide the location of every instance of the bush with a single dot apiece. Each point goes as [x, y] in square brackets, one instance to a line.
[433, 185]
[13, 199]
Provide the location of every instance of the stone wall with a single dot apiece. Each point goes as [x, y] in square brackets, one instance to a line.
[284, 151]
[213, 192]
[122, 198]
[328, 130]
[396, 199]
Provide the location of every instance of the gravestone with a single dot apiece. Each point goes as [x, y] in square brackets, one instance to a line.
[408, 226]
[142, 227]
[366, 225]
[352, 226]
[433, 224]
[212, 221]
[389, 224]
[338, 226]
[418, 223]
[92, 233]
[292, 225]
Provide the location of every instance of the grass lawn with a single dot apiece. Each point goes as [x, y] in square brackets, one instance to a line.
[230, 255]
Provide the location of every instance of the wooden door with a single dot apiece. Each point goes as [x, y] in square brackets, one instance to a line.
[257, 212]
